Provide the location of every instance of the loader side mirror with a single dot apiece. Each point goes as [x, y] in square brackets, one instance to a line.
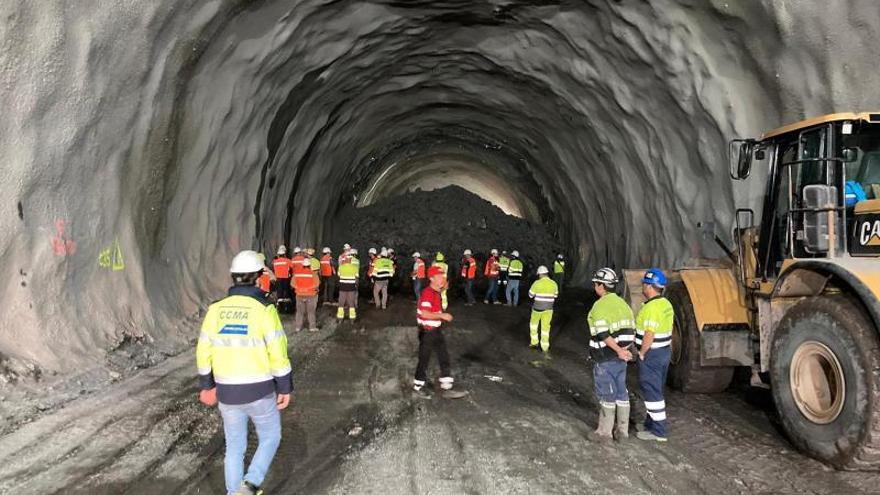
[743, 150]
[819, 200]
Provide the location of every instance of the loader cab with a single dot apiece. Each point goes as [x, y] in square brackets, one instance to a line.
[809, 209]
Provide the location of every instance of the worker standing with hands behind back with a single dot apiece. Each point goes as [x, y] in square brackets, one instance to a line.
[251, 382]
[654, 339]
[611, 335]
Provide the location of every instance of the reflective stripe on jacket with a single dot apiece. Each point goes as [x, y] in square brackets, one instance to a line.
[418, 269]
[327, 266]
[469, 268]
[383, 269]
[515, 270]
[492, 267]
[544, 291]
[656, 316]
[611, 317]
[242, 349]
[558, 266]
[281, 266]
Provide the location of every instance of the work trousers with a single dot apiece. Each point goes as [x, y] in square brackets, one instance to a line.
[609, 382]
[541, 319]
[329, 284]
[267, 423]
[469, 290]
[513, 292]
[417, 287]
[305, 307]
[502, 284]
[492, 291]
[282, 288]
[380, 293]
[432, 342]
[652, 378]
[347, 300]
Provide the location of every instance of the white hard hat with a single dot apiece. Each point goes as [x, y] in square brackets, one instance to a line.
[605, 276]
[326, 250]
[494, 252]
[514, 253]
[247, 262]
[297, 249]
[417, 254]
[282, 249]
[559, 256]
[372, 250]
[467, 252]
[353, 251]
[542, 270]
[307, 262]
[390, 250]
[346, 246]
[383, 252]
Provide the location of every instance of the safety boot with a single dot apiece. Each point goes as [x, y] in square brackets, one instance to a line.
[603, 433]
[454, 394]
[248, 488]
[621, 429]
[647, 435]
[340, 313]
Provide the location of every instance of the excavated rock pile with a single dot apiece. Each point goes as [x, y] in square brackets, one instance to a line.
[448, 220]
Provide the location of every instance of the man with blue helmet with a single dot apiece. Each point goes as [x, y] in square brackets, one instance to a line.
[654, 339]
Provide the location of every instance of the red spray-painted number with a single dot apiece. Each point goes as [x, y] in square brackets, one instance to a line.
[60, 245]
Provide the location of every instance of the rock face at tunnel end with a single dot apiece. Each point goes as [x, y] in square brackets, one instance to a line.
[144, 143]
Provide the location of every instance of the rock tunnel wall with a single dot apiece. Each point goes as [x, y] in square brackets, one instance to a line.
[145, 142]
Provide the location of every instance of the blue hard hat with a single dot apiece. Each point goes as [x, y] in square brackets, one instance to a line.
[654, 277]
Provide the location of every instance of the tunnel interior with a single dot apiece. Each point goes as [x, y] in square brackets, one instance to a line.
[177, 133]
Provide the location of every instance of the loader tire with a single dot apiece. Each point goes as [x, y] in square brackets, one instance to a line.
[824, 367]
[685, 371]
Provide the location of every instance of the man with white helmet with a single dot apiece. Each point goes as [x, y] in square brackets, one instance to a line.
[544, 292]
[491, 272]
[328, 275]
[283, 268]
[514, 275]
[419, 274]
[243, 364]
[469, 274]
[383, 270]
[611, 335]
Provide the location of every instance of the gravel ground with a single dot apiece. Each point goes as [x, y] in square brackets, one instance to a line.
[355, 428]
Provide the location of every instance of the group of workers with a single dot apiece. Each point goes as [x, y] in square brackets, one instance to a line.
[244, 367]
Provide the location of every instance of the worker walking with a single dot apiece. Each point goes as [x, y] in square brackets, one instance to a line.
[653, 339]
[348, 290]
[503, 268]
[468, 274]
[328, 275]
[491, 273]
[514, 274]
[611, 336]
[429, 317]
[283, 267]
[544, 292]
[305, 285]
[242, 363]
[559, 271]
[419, 273]
[440, 262]
[383, 270]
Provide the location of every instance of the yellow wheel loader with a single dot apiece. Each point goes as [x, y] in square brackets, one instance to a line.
[800, 301]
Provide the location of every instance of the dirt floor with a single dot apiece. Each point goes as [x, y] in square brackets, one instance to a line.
[355, 428]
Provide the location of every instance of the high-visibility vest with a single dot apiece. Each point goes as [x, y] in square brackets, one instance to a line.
[383, 269]
[544, 291]
[354, 260]
[656, 316]
[304, 279]
[282, 266]
[558, 266]
[371, 266]
[492, 267]
[242, 349]
[264, 282]
[327, 266]
[514, 271]
[348, 277]
[418, 269]
[469, 268]
[612, 317]
[503, 264]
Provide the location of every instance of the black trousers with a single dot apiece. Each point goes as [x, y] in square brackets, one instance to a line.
[432, 341]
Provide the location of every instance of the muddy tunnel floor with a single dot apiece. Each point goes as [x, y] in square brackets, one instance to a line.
[354, 426]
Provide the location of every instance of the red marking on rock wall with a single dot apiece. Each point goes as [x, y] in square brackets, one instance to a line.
[60, 245]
